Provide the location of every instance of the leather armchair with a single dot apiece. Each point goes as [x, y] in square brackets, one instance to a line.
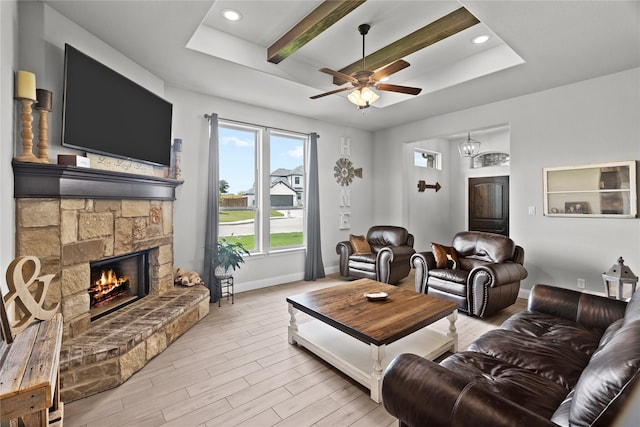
[486, 280]
[388, 262]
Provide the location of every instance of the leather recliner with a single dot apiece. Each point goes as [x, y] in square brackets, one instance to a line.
[486, 279]
[388, 262]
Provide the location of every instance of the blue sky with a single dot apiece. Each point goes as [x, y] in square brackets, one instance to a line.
[237, 156]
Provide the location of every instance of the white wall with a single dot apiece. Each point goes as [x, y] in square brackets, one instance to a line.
[426, 214]
[586, 122]
[190, 209]
[9, 108]
[42, 35]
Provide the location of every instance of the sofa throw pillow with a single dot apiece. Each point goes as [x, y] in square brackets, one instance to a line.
[444, 254]
[359, 244]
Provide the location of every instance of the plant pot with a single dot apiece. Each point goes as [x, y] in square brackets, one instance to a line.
[223, 273]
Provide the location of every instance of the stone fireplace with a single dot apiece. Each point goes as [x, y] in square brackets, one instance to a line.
[75, 219]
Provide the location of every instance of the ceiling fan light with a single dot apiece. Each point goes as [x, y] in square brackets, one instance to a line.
[366, 94]
[469, 148]
[363, 97]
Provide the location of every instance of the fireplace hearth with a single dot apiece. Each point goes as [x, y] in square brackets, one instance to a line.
[117, 282]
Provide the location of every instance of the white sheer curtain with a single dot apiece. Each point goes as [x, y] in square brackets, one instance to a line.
[313, 268]
[213, 208]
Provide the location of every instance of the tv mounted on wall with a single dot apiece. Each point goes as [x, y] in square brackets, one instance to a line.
[106, 113]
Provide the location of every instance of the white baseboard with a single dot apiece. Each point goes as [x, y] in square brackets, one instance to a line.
[277, 280]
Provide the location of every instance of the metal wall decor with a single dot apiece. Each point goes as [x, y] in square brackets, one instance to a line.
[422, 185]
[344, 172]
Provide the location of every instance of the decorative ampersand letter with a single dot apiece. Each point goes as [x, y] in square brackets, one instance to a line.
[29, 305]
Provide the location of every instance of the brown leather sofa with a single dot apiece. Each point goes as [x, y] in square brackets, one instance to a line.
[486, 279]
[571, 359]
[388, 261]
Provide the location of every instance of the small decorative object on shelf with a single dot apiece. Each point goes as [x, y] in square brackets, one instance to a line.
[26, 94]
[615, 279]
[44, 106]
[177, 158]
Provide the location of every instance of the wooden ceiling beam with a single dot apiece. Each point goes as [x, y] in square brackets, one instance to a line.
[439, 29]
[321, 18]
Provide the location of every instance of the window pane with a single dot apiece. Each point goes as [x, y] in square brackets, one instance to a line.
[426, 159]
[238, 206]
[286, 192]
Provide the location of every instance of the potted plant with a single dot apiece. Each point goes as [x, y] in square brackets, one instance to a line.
[230, 256]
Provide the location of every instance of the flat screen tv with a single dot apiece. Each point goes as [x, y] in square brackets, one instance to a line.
[106, 113]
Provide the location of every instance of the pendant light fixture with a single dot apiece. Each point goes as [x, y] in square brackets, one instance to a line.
[469, 148]
[363, 97]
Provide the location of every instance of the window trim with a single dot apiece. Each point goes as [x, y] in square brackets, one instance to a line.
[262, 222]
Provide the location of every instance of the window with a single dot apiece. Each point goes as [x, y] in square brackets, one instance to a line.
[427, 159]
[261, 187]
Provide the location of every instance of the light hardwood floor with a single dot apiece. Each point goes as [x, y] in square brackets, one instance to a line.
[235, 368]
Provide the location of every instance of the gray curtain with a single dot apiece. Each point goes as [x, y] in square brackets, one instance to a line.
[313, 267]
[213, 210]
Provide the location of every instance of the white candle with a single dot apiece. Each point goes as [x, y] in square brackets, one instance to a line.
[26, 85]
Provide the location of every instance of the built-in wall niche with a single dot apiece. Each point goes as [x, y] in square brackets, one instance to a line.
[597, 190]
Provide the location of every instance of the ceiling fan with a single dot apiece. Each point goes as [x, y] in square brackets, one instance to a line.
[364, 80]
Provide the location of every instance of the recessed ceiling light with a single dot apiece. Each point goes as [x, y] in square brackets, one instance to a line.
[481, 39]
[231, 15]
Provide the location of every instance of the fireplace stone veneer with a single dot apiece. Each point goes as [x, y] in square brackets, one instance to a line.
[69, 217]
[68, 234]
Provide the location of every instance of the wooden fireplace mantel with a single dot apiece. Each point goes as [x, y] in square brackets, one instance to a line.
[38, 180]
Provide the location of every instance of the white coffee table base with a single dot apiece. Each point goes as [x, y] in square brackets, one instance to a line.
[363, 362]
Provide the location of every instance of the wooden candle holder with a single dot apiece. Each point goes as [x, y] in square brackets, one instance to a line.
[45, 100]
[43, 135]
[27, 134]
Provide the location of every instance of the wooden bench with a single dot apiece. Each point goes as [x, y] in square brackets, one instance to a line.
[29, 351]
[29, 376]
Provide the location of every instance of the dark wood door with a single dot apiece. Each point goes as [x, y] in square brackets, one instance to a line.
[489, 204]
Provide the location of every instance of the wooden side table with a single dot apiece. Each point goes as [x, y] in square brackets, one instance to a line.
[225, 288]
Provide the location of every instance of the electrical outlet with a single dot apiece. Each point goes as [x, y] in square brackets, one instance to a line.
[581, 283]
[532, 210]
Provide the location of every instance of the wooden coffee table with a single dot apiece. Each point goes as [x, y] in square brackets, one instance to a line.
[361, 337]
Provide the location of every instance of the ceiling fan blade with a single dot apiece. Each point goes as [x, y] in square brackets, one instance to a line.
[339, 75]
[394, 67]
[342, 89]
[402, 89]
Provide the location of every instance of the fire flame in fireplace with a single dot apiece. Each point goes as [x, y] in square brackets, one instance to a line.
[108, 287]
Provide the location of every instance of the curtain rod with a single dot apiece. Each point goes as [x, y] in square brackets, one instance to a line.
[208, 116]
